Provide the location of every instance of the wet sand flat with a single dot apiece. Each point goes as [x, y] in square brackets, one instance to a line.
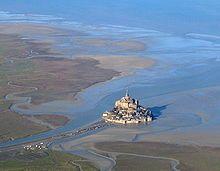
[124, 64]
[35, 69]
[187, 117]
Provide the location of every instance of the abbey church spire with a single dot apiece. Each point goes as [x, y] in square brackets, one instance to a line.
[127, 94]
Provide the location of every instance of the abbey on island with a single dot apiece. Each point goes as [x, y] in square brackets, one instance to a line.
[127, 111]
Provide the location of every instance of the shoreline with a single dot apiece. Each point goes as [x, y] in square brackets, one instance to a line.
[29, 99]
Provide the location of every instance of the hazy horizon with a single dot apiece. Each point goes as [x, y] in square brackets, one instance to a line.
[172, 16]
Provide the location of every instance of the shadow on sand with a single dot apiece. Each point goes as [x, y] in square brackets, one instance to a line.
[157, 111]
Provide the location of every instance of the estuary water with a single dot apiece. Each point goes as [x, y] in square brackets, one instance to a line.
[183, 39]
[172, 16]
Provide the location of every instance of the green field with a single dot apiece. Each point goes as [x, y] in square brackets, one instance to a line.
[133, 163]
[43, 161]
[191, 158]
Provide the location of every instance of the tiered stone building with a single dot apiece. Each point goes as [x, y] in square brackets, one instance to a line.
[127, 110]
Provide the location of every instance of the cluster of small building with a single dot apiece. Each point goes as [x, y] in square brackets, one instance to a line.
[128, 111]
[39, 146]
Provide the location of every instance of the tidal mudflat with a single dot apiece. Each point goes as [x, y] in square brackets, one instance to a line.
[38, 70]
[182, 89]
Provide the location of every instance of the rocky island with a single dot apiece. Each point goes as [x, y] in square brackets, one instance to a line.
[128, 111]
